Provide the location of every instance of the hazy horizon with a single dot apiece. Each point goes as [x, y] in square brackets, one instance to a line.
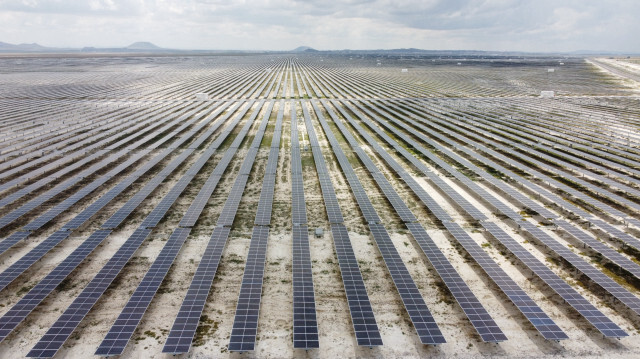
[498, 25]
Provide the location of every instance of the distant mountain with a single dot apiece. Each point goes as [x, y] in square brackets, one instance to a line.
[304, 49]
[27, 48]
[6, 47]
[140, 47]
[143, 45]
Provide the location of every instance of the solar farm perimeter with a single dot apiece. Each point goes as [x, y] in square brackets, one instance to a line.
[319, 206]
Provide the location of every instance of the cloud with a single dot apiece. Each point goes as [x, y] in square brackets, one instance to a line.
[542, 25]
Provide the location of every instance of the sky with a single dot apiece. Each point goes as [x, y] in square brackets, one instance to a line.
[492, 25]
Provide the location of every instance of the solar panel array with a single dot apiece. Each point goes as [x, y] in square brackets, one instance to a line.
[591, 272]
[29, 206]
[79, 147]
[479, 317]
[47, 285]
[305, 323]
[608, 252]
[98, 285]
[64, 326]
[565, 188]
[87, 213]
[550, 332]
[186, 323]
[245, 323]
[364, 322]
[420, 315]
[116, 340]
[611, 329]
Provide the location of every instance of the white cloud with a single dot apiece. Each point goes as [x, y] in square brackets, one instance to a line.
[542, 25]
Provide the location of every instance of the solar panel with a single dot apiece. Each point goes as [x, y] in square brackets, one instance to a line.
[14, 316]
[245, 169]
[122, 330]
[419, 313]
[615, 232]
[245, 323]
[161, 209]
[34, 255]
[64, 326]
[305, 324]
[608, 284]
[364, 322]
[265, 204]
[608, 252]
[184, 327]
[233, 201]
[195, 209]
[298, 210]
[633, 221]
[272, 165]
[12, 240]
[607, 327]
[186, 322]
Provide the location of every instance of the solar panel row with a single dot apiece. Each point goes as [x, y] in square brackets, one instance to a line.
[64, 326]
[479, 317]
[118, 260]
[612, 329]
[305, 324]
[245, 324]
[362, 318]
[120, 333]
[184, 327]
[420, 315]
[535, 315]
[14, 316]
[29, 206]
[123, 328]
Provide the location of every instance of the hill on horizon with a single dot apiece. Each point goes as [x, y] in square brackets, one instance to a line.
[304, 49]
[143, 45]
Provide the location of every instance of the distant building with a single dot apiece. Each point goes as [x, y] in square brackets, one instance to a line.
[547, 94]
[404, 70]
[551, 70]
